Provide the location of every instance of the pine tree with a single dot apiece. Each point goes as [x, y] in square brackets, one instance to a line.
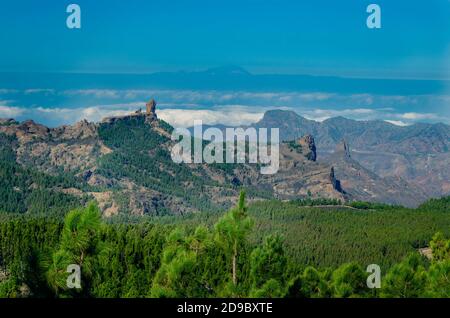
[311, 284]
[80, 246]
[406, 279]
[349, 280]
[268, 262]
[231, 233]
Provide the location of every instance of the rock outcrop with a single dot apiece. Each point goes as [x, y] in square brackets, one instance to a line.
[80, 130]
[26, 131]
[151, 110]
[362, 184]
[308, 147]
[149, 115]
[418, 153]
[343, 150]
[148, 186]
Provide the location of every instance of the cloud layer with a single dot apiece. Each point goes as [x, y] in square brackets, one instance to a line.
[181, 107]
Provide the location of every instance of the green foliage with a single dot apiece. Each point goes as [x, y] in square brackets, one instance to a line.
[9, 288]
[222, 256]
[268, 262]
[311, 284]
[154, 169]
[369, 205]
[438, 283]
[406, 279]
[79, 245]
[178, 274]
[349, 280]
[442, 204]
[316, 202]
[24, 189]
[231, 234]
[270, 289]
[440, 247]
[325, 237]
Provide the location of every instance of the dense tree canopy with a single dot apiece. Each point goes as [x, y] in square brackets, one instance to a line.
[240, 253]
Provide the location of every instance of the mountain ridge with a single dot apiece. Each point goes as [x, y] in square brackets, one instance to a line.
[124, 163]
[129, 161]
[419, 154]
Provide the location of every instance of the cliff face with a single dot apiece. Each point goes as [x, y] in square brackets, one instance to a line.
[308, 146]
[65, 148]
[362, 184]
[299, 174]
[126, 162]
[418, 154]
[125, 165]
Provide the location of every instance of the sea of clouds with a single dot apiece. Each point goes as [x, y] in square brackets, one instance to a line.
[181, 107]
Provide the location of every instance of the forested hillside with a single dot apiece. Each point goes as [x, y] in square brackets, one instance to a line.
[124, 163]
[269, 249]
[25, 189]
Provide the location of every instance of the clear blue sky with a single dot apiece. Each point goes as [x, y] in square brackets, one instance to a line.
[314, 37]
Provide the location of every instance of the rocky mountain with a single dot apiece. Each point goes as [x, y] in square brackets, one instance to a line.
[360, 182]
[124, 163]
[420, 138]
[418, 154]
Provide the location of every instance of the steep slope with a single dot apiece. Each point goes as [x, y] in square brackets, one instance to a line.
[364, 185]
[420, 138]
[418, 154]
[125, 164]
[299, 174]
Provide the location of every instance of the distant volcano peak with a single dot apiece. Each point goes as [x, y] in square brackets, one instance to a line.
[228, 70]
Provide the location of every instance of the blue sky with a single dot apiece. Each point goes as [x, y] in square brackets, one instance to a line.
[312, 37]
[272, 36]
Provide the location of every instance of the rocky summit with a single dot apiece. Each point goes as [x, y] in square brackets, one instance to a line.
[124, 163]
[414, 159]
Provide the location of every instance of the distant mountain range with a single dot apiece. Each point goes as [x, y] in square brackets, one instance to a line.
[382, 136]
[223, 78]
[124, 163]
[405, 165]
[418, 156]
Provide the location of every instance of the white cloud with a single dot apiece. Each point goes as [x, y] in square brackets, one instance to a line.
[228, 115]
[8, 91]
[418, 116]
[9, 111]
[397, 122]
[181, 107]
[323, 114]
[47, 91]
[97, 93]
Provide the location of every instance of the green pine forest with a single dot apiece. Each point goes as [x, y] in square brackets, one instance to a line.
[262, 249]
[270, 248]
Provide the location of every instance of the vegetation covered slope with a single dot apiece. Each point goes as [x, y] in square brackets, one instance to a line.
[269, 249]
[25, 189]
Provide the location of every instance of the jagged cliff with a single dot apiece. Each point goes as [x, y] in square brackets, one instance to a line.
[418, 154]
[124, 163]
[363, 184]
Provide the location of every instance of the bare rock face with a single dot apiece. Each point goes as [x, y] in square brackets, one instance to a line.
[8, 122]
[343, 149]
[335, 182]
[26, 131]
[149, 115]
[299, 174]
[80, 130]
[419, 153]
[362, 184]
[151, 111]
[308, 147]
[71, 148]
